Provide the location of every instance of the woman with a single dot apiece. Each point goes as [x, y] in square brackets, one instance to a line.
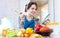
[29, 19]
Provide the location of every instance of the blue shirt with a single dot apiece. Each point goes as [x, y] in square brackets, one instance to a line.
[29, 23]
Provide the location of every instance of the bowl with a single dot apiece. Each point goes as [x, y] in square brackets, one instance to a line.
[44, 33]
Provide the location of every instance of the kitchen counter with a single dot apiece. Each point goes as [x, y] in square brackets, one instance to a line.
[55, 33]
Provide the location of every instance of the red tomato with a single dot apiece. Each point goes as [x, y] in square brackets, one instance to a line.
[44, 29]
[38, 27]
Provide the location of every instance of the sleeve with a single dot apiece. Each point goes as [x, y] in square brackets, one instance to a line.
[37, 21]
[20, 23]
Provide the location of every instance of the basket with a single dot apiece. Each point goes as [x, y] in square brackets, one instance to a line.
[44, 33]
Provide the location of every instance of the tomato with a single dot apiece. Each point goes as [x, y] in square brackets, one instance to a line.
[44, 29]
[38, 26]
[37, 29]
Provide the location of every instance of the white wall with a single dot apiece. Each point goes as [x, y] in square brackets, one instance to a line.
[11, 9]
[51, 11]
[8, 8]
[57, 10]
[22, 4]
[54, 7]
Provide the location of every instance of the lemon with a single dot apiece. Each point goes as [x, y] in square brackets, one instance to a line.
[29, 30]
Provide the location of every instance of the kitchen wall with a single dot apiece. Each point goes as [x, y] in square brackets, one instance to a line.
[9, 9]
[51, 10]
[54, 8]
[22, 4]
[57, 10]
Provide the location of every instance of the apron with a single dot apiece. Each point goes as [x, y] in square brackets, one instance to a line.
[29, 23]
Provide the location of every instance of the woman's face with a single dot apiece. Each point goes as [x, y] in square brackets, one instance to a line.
[32, 10]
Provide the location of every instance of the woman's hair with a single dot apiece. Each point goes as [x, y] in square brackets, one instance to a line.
[26, 8]
[30, 4]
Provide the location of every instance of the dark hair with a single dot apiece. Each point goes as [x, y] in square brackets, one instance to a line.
[26, 8]
[30, 4]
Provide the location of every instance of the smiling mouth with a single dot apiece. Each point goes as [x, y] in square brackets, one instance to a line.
[32, 12]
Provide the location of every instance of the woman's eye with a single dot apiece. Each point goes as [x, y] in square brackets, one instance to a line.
[32, 8]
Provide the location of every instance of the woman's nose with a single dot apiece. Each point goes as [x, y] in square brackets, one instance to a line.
[34, 10]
